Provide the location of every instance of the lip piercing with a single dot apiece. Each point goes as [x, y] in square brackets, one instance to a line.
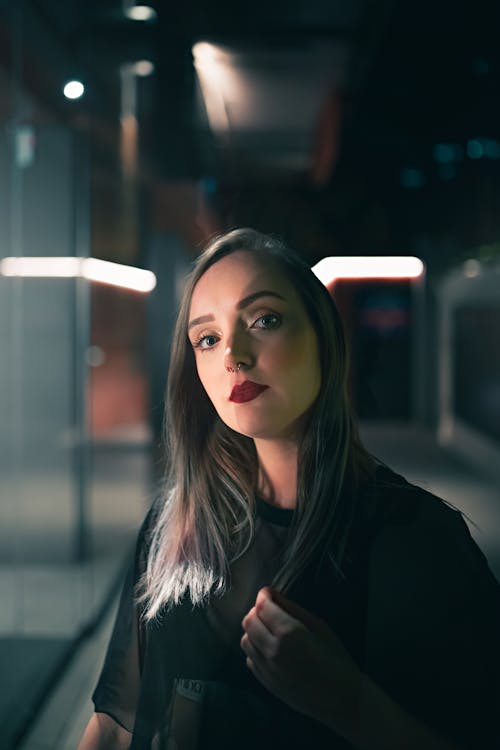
[238, 368]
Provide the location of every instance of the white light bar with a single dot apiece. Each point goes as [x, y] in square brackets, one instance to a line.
[92, 269]
[40, 266]
[331, 269]
[118, 275]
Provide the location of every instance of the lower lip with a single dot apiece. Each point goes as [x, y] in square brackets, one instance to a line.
[248, 393]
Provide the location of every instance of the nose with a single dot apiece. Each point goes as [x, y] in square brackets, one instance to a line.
[238, 351]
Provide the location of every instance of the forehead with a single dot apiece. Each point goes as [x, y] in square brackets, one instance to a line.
[237, 275]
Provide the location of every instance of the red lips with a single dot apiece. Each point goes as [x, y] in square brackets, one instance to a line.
[246, 391]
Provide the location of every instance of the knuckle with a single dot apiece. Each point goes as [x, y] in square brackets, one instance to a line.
[273, 651]
[286, 641]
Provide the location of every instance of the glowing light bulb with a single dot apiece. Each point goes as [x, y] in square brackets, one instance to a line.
[141, 13]
[143, 68]
[73, 89]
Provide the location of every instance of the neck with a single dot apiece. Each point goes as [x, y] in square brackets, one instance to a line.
[278, 471]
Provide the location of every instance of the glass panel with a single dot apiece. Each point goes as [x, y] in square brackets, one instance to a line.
[69, 509]
[38, 388]
[477, 368]
[44, 588]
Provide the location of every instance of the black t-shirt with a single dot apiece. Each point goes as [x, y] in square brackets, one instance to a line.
[417, 607]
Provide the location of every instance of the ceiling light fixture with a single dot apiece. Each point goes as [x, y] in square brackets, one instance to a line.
[93, 269]
[332, 269]
[218, 82]
[73, 89]
[204, 53]
[141, 13]
[143, 68]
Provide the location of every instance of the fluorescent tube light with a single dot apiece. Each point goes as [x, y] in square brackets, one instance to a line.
[93, 269]
[330, 269]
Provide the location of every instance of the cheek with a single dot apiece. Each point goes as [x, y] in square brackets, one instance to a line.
[210, 378]
[204, 376]
[298, 358]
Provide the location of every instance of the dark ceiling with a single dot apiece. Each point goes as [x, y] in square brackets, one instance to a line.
[354, 126]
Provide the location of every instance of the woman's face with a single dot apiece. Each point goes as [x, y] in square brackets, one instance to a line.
[244, 310]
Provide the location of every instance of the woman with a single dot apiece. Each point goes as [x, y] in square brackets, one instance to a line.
[287, 588]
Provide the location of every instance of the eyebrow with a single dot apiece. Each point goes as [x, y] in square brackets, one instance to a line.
[240, 305]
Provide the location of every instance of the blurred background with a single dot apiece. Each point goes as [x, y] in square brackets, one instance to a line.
[130, 134]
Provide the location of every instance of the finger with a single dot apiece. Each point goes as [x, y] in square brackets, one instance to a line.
[254, 669]
[276, 620]
[248, 615]
[255, 662]
[251, 651]
[313, 623]
[259, 634]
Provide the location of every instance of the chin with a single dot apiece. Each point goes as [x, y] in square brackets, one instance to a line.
[249, 431]
[263, 432]
[251, 428]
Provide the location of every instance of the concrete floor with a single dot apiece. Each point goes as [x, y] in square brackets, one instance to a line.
[412, 452]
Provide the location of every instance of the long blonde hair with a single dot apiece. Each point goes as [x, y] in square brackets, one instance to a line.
[204, 519]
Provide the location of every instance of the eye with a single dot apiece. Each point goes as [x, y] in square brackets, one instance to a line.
[268, 321]
[205, 342]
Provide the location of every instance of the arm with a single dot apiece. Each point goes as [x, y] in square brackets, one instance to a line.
[117, 691]
[103, 733]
